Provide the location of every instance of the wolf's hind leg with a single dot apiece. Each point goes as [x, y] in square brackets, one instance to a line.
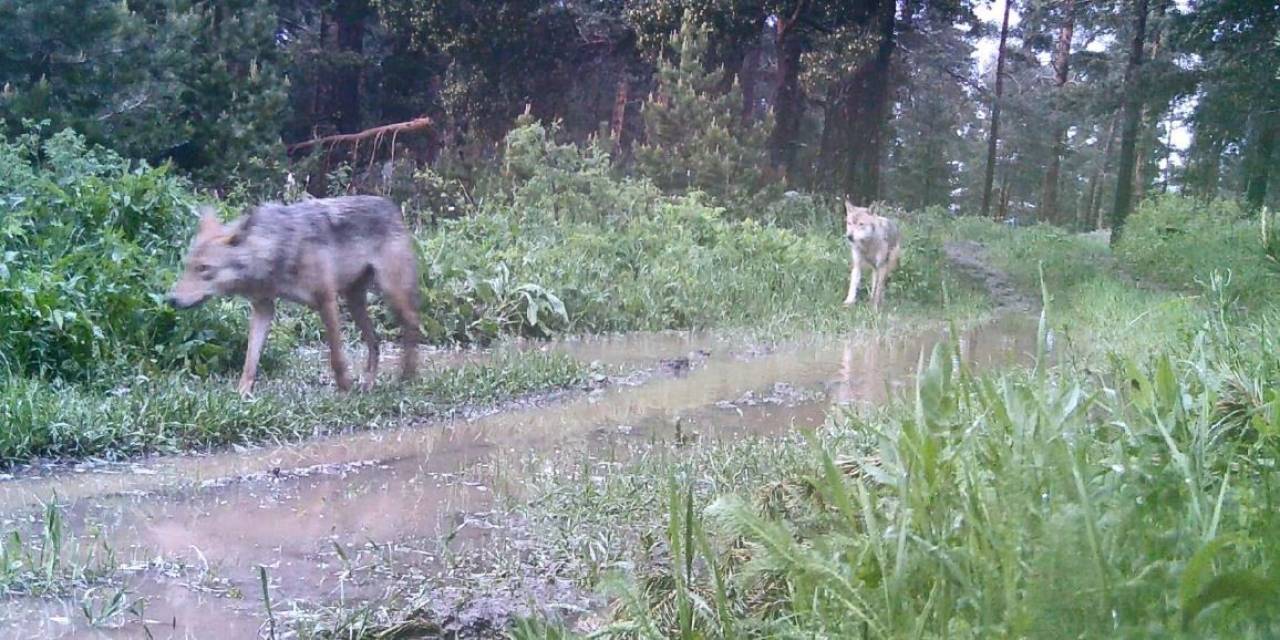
[882, 275]
[398, 280]
[357, 305]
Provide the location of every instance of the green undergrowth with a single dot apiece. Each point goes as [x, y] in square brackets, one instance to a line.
[1134, 502]
[177, 412]
[94, 363]
[1124, 488]
[1096, 306]
[680, 266]
[1183, 243]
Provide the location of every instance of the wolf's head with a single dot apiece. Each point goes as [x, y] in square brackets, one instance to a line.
[214, 265]
[858, 222]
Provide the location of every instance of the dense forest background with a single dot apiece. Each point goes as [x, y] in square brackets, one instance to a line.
[1069, 111]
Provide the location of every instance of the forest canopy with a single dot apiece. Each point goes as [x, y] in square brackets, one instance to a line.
[1036, 109]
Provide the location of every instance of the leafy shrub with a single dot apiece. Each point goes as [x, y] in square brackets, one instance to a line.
[89, 246]
[437, 195]
[1181, 242]
[680, 265]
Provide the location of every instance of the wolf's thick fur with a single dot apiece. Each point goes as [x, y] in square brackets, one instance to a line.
[874, 241]
[310, 253]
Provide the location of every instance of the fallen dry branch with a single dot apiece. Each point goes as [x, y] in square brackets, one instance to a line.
[376, 133]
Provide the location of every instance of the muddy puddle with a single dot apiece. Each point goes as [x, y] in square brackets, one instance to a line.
[194, 530]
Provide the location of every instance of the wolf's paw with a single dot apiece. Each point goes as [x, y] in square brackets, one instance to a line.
[245, 389]
[344, 382]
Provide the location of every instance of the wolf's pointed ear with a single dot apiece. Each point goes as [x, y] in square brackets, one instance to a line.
[850, 211]
[240, 229]
[209, 223]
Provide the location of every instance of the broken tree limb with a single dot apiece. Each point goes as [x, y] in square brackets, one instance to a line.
[377, 133]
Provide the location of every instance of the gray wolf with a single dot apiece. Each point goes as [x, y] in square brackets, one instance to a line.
[310, 253]
[874, 241]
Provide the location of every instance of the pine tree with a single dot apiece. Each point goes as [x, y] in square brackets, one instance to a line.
[695, 137]
[198, 83]
[229, 89]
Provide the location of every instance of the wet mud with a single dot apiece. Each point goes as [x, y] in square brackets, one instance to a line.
[192, 532]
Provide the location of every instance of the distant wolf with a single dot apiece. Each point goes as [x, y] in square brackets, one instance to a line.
[311, 253]
[874, 241]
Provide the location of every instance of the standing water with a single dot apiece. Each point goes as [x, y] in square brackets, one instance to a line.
[194, 530]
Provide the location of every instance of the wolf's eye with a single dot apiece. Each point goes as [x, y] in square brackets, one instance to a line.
[205, 271]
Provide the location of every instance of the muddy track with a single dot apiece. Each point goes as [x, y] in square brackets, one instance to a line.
[428, 490]
[971, 259]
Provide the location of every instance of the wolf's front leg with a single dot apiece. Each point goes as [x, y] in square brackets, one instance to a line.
[855, 278]
[259, 326]
[328, 309]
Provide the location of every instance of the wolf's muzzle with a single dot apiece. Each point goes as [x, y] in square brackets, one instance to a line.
[174, 302]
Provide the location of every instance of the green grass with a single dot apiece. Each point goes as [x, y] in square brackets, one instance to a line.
[50, 561]
[1125, 491]
[54, 562]
[178, 412]
[93, 363]
[637, 260]
[1094, 307]
[1022, 505]
[1182, 243]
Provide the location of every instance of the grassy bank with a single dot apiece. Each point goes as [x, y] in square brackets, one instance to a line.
[177, 412]
[93, 363]
[1125, 490]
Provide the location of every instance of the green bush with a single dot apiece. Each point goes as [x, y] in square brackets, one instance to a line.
[88, 246]
[567, 245]
[680, 265]
[1181, 242]
[566, 182]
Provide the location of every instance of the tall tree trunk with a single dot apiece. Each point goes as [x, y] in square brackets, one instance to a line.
[1147, 134]
[1002, 212]
[1132, 117]
[349, 20]
[871, 94]
[1093, 206]
[830, 169]
[1258, 157]
[1061, 73]
[318, 96]
[993, 135]
[618, 119]
[1147, 137]
[1168, 164]
[788, 99]
[857, 109]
